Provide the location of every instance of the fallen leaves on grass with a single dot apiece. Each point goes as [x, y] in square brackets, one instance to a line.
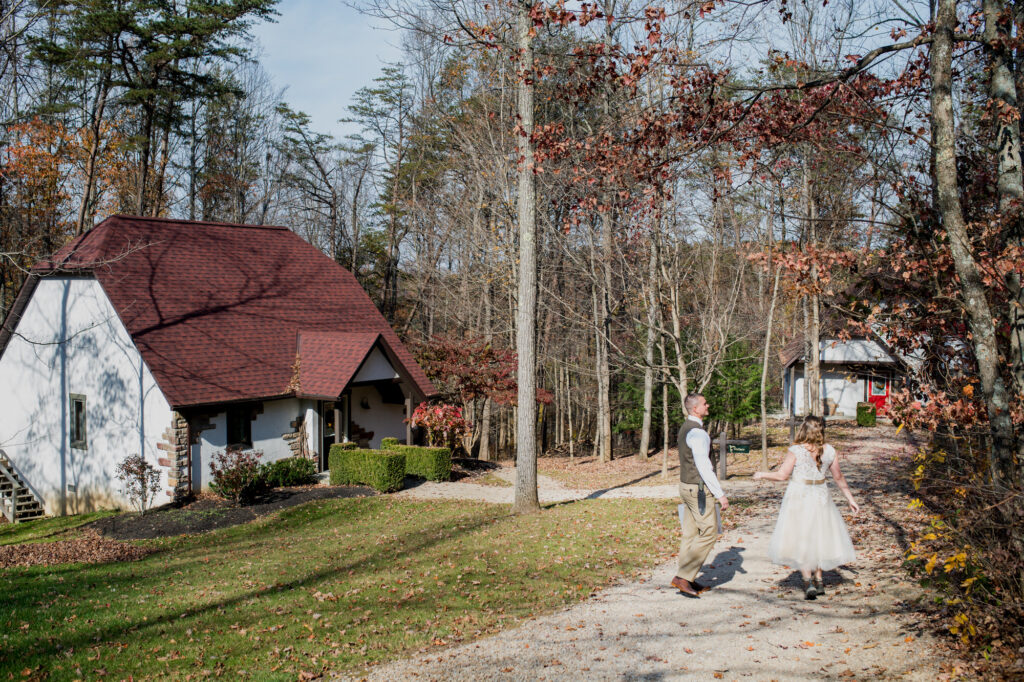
[90, 548]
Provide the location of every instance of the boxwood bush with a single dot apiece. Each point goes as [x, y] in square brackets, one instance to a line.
[866, 414]
[433, 464]
[382, 470]
[289, 471]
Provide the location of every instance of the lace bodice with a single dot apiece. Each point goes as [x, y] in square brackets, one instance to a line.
[806, 468]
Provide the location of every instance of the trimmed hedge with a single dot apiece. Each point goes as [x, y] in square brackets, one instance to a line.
[384, 471]
[389, 443]
[433, 464]
[289, 471]
[867, 414]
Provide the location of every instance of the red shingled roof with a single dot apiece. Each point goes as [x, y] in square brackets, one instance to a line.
[217, 310]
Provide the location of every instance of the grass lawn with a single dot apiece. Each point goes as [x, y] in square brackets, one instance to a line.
[48, 529]
[334, 584]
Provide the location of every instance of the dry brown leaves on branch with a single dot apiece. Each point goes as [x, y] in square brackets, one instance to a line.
[89, 548]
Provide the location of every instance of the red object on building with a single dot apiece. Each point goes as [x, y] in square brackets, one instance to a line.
[878, 393]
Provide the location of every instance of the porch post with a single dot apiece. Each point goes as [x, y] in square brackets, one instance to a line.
[337, 422]
[408, 416]
[792, 391]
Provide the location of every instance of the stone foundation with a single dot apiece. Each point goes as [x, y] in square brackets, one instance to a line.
[298, 439]
[174, 445]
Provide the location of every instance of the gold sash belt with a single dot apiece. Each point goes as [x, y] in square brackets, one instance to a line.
[820, 481]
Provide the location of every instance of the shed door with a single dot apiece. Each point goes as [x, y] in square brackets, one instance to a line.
[878, 393]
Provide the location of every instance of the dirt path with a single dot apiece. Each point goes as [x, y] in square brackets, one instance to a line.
[753, 623]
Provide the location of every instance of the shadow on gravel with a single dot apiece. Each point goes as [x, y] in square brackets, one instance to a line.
[723, 568]
[830, 579]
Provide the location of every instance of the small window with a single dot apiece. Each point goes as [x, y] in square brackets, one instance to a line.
[878, 387]
[78, 422]
[240, 426]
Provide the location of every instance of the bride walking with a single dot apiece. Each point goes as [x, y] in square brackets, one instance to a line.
[810, 533]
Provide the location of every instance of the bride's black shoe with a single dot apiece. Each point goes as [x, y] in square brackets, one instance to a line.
[810, 593]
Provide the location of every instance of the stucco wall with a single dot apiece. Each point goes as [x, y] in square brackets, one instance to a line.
[835, 386]
[70, 340]
[846, 394]
[375, 368]
[382, 419]
[268, 430]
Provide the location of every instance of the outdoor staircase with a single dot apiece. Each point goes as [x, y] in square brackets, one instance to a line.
[17, 502]
[358, 435]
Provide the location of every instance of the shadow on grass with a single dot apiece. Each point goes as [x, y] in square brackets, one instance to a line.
[30, 592]
[598, 493]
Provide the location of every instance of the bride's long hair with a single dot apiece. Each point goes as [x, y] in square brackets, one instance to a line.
[811, 434]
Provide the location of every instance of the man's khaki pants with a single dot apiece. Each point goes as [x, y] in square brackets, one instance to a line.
[699, 532]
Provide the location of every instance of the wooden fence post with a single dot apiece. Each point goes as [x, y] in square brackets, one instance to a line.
[722, 449]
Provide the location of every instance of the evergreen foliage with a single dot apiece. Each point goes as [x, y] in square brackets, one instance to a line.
[384, 471]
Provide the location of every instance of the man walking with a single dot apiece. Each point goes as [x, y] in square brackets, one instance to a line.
[696, 479]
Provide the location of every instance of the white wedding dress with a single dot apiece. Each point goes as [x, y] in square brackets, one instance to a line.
[810, 532]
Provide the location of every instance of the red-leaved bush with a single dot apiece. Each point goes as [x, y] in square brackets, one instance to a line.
[443, 423]
[140, 481]
[236, 474]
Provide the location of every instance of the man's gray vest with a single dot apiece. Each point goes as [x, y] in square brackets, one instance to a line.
[687, 468]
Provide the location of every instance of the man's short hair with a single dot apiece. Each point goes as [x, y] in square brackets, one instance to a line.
[691, 401]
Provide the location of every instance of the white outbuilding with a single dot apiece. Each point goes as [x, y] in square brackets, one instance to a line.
[177, 339]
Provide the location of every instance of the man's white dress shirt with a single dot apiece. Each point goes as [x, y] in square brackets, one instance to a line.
[699, 443]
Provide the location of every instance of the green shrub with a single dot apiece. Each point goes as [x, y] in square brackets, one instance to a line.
[388, 443]
[384, 471]
[866, 414]
[289, 471]
[433, 464]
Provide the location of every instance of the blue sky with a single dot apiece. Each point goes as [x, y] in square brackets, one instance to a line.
[322, 51]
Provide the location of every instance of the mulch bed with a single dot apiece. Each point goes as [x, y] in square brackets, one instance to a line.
[209, 513]
[91, 548]
[465, 469]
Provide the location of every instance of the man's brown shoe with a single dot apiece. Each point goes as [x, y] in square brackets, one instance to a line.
[701, 589]
[684, 586]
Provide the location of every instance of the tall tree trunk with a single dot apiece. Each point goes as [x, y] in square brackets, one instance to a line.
[986, 350]
[161, 173]
[148, 113]
[664, 413]
[807, 354]
[86, 208]
[764, 370]
[652, 312]
[1002, 90]
[526, 499]
[485, 432]
[812, 362]
[604, 373]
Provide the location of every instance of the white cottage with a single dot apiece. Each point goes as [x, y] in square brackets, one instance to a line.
[852, 371]
[179, 339]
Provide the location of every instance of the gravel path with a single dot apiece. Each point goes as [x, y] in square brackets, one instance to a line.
[753, 623]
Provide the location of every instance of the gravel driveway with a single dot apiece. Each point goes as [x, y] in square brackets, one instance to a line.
[752, 624]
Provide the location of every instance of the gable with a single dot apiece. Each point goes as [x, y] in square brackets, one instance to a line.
[376, 367]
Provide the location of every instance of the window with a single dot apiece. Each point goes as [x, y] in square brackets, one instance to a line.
[878, 387]
[240, 426]
[78, 422]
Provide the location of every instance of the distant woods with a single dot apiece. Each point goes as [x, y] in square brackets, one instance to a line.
[707, 185]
